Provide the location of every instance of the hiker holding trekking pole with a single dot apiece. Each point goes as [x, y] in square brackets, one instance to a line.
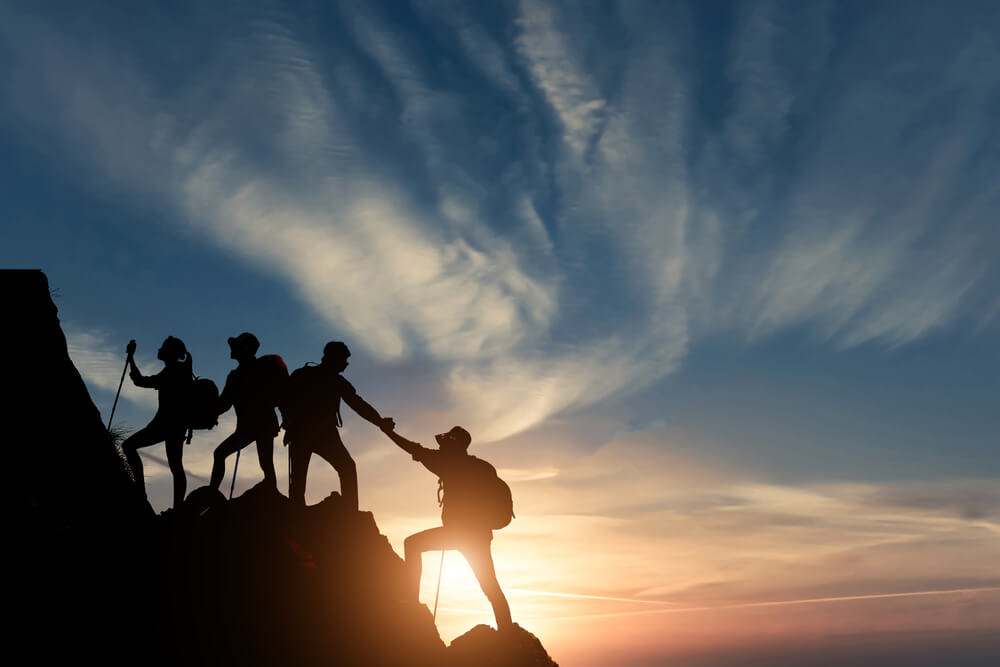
[252, 389]
[169, 424]
[474, 503]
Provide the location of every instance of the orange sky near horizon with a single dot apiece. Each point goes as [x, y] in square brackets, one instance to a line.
[608, 552]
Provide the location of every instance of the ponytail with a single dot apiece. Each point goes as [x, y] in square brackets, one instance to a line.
[178, 352]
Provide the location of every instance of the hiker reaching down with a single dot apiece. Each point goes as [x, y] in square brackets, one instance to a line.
[474, 501]
[310, 407]
[169, 423]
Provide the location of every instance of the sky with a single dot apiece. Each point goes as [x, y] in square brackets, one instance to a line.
[714, 286]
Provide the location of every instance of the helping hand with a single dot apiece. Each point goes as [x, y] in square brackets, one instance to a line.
[388, 424]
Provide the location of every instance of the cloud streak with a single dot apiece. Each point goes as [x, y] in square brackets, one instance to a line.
[785, 603]
[576, 249]
[101, 365]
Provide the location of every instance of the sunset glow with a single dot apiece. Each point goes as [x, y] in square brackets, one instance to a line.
[713, 285]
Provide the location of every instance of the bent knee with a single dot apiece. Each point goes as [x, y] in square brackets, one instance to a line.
[412, 547]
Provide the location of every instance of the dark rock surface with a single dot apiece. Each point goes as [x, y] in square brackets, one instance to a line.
[482, 645]
[258, 581]
[98, 578]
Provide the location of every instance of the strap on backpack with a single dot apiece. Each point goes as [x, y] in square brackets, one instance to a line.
[190, 433]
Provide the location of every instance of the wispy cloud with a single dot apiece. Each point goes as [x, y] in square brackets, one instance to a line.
[546, 272]
[101, 365]
[555, 67]
[786, 603]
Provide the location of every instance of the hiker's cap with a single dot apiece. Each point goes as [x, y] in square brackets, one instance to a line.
[245, 341]
[457, 435]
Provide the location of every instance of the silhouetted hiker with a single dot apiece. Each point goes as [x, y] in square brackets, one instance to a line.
[311, 412]
[474, 502]
[250, 389]
[170, 421]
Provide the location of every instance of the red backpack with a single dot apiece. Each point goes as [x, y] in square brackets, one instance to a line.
[272, 377]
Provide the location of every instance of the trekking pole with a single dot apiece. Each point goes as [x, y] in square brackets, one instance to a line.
[236, 467]
[438, 593]
[118, 393]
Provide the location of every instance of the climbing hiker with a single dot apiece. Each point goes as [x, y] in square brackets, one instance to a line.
[252, 389]
[311, 412]
[474, 502]
[170, 421]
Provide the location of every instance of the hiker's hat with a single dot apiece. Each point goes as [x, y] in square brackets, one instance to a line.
[457, 436]
[245, 341]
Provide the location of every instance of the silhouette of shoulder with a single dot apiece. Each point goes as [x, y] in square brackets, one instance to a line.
[343, 386]
[318, 378]
[449, 466]
[243, 382]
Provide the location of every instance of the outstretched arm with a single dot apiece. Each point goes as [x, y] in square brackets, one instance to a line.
[364, 408]
[408, 446]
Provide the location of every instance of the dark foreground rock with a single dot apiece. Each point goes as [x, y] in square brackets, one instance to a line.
[258, 581]
[482, 645]
[96, 577]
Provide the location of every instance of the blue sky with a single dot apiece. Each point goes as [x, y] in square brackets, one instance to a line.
[670, 263]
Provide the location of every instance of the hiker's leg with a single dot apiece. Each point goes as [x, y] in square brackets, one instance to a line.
[481, 560]
[175, 452]
[228, 446]
[298, 458]
[337, 455]
[141, 438]
[434, 539]
[265, 456]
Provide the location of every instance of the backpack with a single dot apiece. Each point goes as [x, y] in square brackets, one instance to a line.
[272, 377]
[482, 498]
[305, 399]
[202, 405]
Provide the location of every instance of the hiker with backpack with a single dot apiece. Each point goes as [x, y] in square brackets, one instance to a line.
[311, 412]
[252, 389]
[474, 502]
[169, 424]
